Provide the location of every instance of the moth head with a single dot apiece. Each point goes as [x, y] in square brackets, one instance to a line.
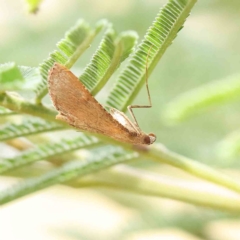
[150, 139]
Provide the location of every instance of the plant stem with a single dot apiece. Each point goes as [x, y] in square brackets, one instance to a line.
[192, 167]
[15, 102]
[127, 178]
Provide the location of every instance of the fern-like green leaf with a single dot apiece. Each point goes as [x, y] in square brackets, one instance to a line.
[13, 77]
[193, 101]
[31, 76]
[159, 36]
[112, 51]
[28, 127]
[76, 41]
[98, 159]
[10, 77]
[46, 151]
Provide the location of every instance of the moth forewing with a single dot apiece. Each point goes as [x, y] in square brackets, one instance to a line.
[78, 108]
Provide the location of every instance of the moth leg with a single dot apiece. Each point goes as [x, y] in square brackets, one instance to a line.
[149, 96]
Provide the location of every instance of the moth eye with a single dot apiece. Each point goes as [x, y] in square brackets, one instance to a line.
[147, 140]
[150, 139]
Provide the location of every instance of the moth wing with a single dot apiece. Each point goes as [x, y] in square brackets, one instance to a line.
[123, 119]
[77, 106]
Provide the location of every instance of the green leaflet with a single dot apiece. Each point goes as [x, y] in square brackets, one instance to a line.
[27, 127]
[99, 158]
[13, 77]
[46, 151]
[31, 75]
[193, 101]
[112, 50]
[76, 41]
[158, 38]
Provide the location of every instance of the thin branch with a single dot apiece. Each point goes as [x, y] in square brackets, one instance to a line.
[126, 178]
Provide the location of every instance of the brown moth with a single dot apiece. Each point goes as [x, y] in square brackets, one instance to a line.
[77, 107]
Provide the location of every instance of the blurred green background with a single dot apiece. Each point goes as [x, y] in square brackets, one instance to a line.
[206, 49]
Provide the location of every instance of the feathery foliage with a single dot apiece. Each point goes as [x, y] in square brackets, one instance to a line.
[13, 77]
[112, 50]
[97, 159]
[76, 41]
[158, 38]
[31, 76]
[47, 151]
[10, 77]
[27, 127]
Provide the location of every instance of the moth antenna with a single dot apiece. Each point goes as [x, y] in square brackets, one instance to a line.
[148, 92]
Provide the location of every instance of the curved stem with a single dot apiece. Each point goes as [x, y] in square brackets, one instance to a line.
[193, 167]
[126, 178]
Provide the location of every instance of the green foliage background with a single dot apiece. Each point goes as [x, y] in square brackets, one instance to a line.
[205, 50]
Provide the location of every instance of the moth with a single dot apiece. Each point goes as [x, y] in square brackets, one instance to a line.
[77, 107]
